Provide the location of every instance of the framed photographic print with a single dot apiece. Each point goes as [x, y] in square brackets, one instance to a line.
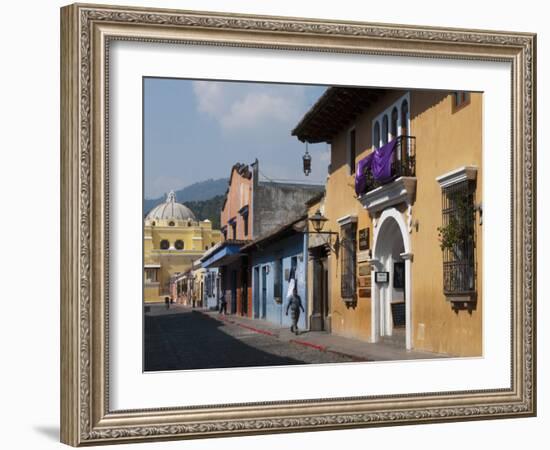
[277, 224]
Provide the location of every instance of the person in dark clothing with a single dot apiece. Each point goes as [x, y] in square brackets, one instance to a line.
[294, 304]
[167, 302]
[223, 304]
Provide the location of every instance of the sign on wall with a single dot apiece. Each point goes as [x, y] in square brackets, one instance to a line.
[381, 277]
[364, 239]
[364, 293]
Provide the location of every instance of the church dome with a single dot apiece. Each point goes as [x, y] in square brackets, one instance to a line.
[171, 210]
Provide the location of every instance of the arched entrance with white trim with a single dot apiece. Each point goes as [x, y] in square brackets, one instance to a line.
[391, 301]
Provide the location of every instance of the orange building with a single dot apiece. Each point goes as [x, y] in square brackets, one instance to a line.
[237, 207]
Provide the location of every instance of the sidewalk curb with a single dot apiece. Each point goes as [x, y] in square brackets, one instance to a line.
[318, 347]
[355, 358]
[321, 348]
[247, 327]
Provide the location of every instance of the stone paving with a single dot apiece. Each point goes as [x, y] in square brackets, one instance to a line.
[181, 338]
[355, 349]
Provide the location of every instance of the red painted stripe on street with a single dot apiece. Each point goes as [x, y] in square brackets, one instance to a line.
[256, 330]
[224, 319]
[309, 344]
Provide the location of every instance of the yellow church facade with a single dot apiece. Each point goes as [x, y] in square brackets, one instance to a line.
[173, 239]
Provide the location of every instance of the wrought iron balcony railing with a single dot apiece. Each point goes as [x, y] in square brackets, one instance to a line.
[403, 163]
[458, 278]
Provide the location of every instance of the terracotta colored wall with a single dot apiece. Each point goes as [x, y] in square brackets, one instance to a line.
[240, 288]
[239, 195]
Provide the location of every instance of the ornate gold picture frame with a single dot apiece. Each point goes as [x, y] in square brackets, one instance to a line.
[87, 32]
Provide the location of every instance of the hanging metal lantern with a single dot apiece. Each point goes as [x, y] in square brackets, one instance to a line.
[307, 162]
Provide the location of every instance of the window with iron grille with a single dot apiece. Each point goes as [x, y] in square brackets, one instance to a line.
[209, 284]
[349, 259]
[457, 238]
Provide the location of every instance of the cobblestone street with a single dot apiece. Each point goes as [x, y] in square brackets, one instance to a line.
[181, 338]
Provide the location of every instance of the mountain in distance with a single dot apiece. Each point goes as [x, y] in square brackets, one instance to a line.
[208, 209]
[196, 192]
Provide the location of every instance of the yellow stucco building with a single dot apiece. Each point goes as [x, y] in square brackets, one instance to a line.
[408, 265]
[172, 240]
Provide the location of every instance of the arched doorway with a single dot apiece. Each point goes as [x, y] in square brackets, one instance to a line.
[391, 300]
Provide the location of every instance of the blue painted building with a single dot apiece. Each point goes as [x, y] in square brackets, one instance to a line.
[231, 266]
[275, 260]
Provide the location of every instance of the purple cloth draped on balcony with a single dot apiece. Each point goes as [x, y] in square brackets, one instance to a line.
[378, 163]
[361, 174]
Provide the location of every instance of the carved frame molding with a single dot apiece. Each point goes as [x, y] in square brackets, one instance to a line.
[86, 33]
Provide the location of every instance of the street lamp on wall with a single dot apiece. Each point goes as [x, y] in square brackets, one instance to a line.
[318, 221]
[307, 162]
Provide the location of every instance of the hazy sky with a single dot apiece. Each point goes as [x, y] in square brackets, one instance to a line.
[196, 130]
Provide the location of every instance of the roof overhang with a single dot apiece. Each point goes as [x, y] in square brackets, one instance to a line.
[227, 253]
[292, 228]
[333, 112]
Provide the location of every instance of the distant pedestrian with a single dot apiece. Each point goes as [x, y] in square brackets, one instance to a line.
[167, 302]
[295, 304]
[223, 305]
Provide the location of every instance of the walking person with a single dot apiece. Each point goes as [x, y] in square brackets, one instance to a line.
[294, 304]
[223, 304]
[167, 302]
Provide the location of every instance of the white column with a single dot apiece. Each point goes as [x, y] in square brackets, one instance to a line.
[388, 325]
[375, 307]
[407, 257]
[375, 311]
